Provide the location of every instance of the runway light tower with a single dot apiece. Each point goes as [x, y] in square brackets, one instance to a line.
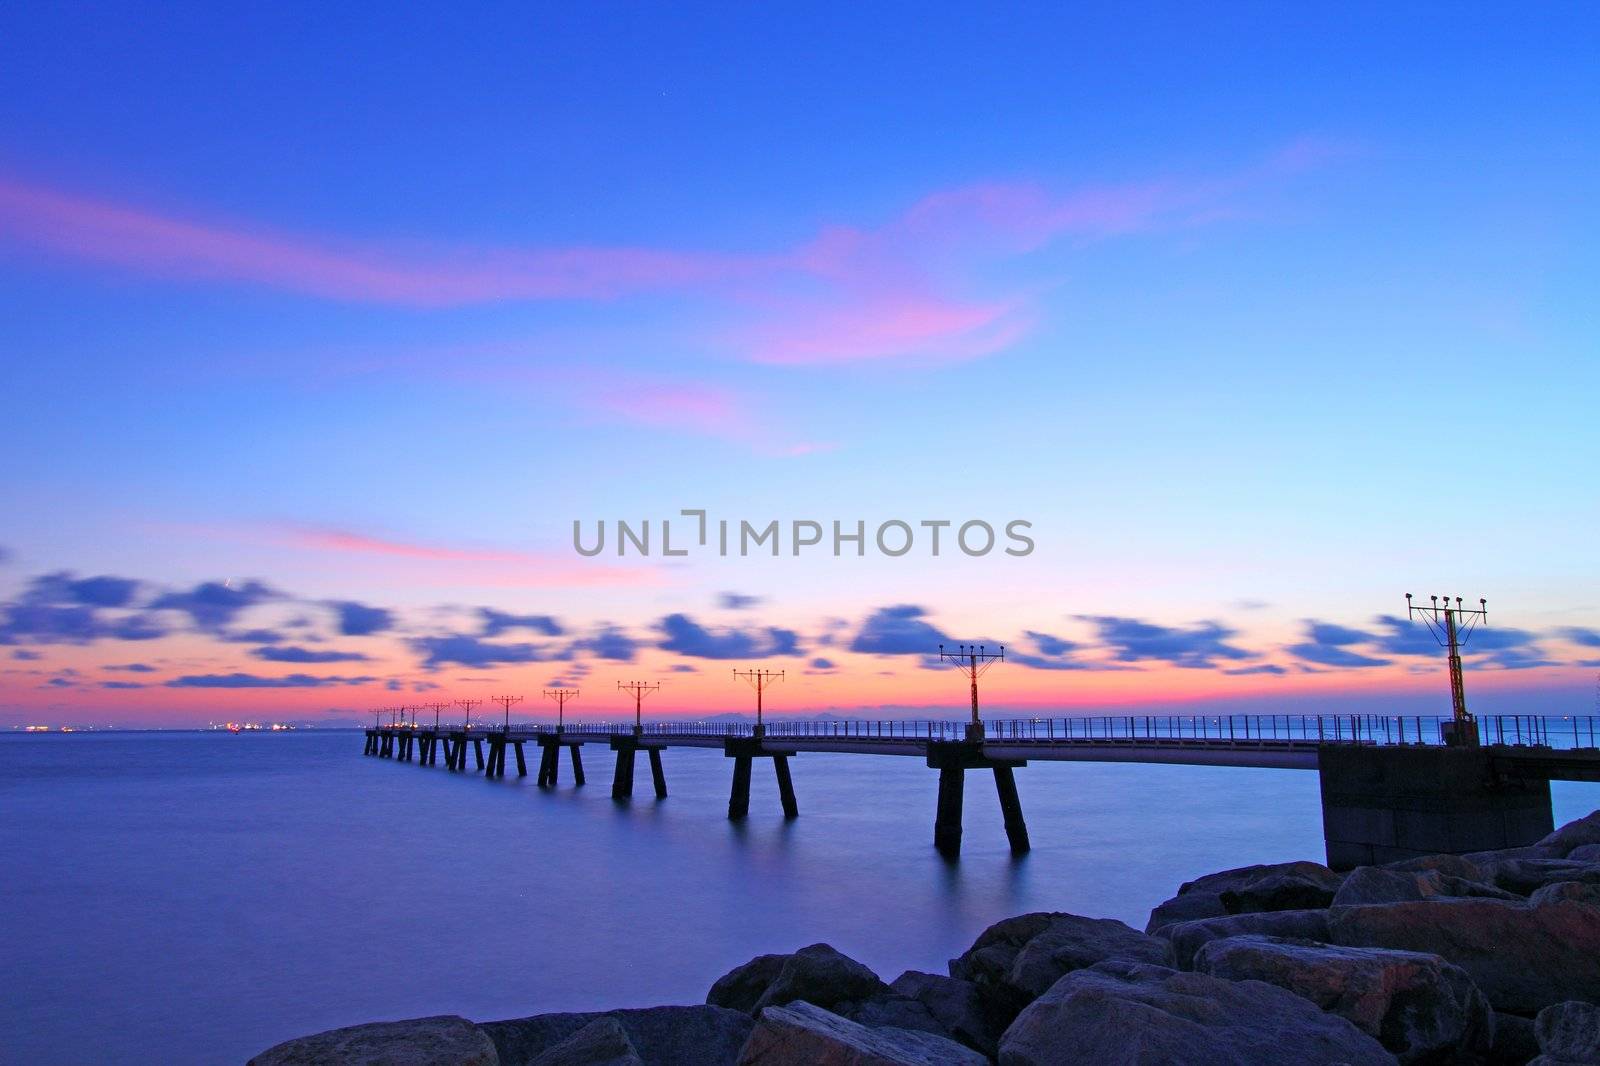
[640, 690]
[561, 696]
[507, 702]
[974, 661]
[1451, 627]
[759, 680]
[466, 706]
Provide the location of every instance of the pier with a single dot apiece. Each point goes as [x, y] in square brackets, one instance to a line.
[1392, 787]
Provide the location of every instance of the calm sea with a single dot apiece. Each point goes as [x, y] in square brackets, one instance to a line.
[187, 898]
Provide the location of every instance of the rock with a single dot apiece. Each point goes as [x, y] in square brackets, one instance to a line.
[1224, 880]
[741, 987]
[445, 1040]
[1569, 1032]
[1418, 1006]
[1189, 937]
[1578, 891]
[1189, 908]
[661, 1036]
[955, 1005]
[1526, 876]
[1374, 884]
[1585, 830]
[1523, 957]
[1202, 898]
[805, 1033]
[1279, 892]
[1452, 865]
[602, 1042]
[1585, 853]
[1120, 1012]
[1488, 862]
[1514, 1042]
[1016, 960]
[817, 974]
[895, 1010]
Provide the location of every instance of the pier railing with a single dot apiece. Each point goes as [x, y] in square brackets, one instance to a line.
[1548, 731]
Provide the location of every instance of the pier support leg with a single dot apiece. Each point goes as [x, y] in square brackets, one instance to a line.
[657, 774]
[546, 756]
[622, 784]
[947, 822]
[780, 763]
[477, 747]
[1005, 783]
[522, 762]
[739, 799]
[577, 766]
[451, 757]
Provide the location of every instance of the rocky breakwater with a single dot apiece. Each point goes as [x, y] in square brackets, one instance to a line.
[1486, 958]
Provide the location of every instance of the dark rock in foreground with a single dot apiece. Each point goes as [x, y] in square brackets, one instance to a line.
[661, 1036]
[805, 1033]
[1418, 1006]
[1523, 957]
[955, 1005]
[1569, 1032]
[1189, 937]
[603, 1042]
[1377, 884]
[1583, 832]
[1119, 1013]
[1276, 886]
[818, 974]
[437, 1041]
[1015, 961]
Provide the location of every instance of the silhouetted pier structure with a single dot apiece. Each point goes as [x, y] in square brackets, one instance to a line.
[1392, 787]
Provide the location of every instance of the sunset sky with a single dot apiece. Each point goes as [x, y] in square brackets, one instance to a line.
[321, 328]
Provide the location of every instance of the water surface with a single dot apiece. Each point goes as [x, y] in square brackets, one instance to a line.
[192, 898]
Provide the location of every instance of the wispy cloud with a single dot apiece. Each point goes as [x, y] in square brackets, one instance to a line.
[493, 566]
[912, 285]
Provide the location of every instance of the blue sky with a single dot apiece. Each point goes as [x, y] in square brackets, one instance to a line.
[1242, 305]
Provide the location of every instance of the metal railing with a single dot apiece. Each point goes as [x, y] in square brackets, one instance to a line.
[1546, 731]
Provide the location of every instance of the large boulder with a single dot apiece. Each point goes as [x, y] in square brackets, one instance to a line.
[741, 987]
[1418, 1006]
[1451, 865]
[1132, 1014]
[603, 1042]
[1569, 1032]
[1488, 862]
[661, 1036]
[445, 1040]
[1514, 1041]
[894, 1010]
[1376, 884]
[1585, 853]
[957, 1007]
[805, 1033]
[1576, 834]
[1527, 876]
[1280, 892]
[817, 974]
[1580, 891]
[1189, 937]
[1251, 886]
[1016, 960]
[1523, 957]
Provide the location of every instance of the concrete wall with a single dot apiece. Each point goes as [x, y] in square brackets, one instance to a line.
[1384, 804]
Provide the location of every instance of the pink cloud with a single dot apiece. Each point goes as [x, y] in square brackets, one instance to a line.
[497, 567]
[147, 243]
[912, 286]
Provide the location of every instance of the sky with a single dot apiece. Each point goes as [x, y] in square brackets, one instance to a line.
[321, 329]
